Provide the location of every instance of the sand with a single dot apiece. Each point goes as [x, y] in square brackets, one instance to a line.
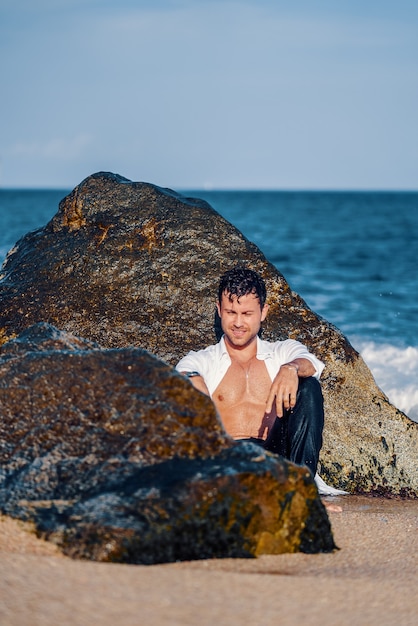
[371, 580]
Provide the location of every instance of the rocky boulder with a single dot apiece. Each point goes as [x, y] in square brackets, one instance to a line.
[129, 264]
[115, 457]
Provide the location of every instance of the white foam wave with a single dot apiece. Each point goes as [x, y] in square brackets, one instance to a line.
[395, 371]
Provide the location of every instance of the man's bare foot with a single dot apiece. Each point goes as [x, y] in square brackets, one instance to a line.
[332, 508]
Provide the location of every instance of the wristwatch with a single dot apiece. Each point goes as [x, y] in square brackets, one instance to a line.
[191, 374]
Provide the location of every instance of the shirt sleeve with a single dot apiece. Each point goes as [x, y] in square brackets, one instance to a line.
[211, 363]
[192, 362]
[291, 349]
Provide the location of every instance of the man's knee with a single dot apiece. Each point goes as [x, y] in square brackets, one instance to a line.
[310, 402]
[309, 389]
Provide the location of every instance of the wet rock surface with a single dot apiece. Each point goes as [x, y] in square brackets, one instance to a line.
[115, 457]
[128, 264]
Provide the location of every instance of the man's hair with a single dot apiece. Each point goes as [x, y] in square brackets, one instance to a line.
[240, 281]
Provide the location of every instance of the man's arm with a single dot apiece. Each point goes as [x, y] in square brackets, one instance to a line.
[285, 385]
[197, 381]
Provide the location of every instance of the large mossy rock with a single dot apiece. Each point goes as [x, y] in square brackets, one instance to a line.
[131, 264]
[115, 457]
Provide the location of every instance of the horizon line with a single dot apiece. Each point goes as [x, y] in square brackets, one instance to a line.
[206, 189]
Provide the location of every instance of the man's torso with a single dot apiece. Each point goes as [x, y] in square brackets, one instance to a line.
[241, 398]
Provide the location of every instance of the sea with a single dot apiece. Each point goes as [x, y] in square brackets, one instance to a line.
[351, 255]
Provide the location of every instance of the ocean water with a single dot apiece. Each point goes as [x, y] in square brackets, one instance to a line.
[352, 256]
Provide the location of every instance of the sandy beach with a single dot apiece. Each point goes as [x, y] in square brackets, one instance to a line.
[370, 580]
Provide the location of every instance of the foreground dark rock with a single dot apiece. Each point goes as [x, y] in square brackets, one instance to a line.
[131, 264]
[115, 457]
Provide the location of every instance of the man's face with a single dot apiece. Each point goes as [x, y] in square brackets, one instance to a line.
[241, 319]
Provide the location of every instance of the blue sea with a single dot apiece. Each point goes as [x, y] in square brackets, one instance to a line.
[352, 256]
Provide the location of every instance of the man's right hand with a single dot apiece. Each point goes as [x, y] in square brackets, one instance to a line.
[283, 390]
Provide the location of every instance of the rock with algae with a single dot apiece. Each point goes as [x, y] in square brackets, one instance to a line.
[116, 457]
[126, 264]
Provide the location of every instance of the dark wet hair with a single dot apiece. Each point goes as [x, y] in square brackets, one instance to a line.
[241, 281]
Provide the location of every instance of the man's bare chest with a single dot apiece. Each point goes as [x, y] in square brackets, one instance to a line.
[244, 382]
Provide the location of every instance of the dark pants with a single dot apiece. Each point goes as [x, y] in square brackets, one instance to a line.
[298, 434]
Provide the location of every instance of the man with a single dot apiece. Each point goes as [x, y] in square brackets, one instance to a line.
[265, 392]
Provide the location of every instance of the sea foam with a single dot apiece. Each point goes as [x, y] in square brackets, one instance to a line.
[395, 371]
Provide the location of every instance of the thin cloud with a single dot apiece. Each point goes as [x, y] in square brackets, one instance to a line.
[57, 148]
[262, 93]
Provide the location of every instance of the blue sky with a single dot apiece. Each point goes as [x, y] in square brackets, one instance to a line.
[210, 94]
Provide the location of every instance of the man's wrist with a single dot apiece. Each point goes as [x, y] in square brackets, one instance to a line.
[191, 374]
[292, 366]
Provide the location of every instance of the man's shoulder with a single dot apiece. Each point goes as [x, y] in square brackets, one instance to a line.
[263, 345]
[213, 349]
[204, 355]
[279, 349]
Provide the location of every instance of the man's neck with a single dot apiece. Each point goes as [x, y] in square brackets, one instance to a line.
[242, 353]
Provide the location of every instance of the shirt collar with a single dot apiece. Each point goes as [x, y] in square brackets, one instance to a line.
[264, 350]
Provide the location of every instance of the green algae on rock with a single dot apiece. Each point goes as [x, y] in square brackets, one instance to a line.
[116, 457]
[129, 264]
